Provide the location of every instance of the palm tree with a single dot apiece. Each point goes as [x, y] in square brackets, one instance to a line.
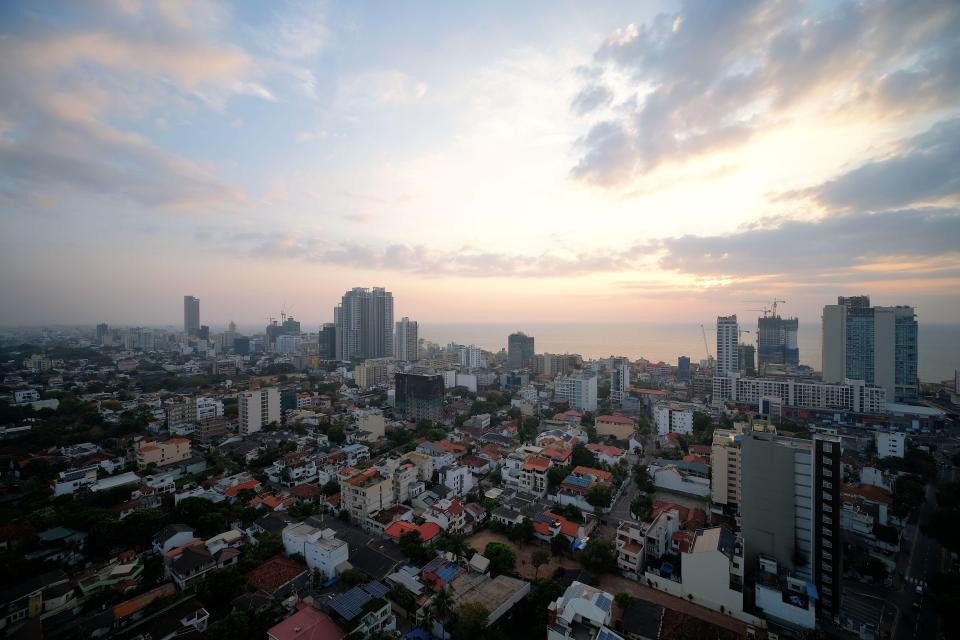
[441, 607]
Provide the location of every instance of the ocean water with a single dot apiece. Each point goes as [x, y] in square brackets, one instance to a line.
[939, 352]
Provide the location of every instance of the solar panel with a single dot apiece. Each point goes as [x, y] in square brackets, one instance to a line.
[607, 634]
[377, 589]
[604, 602]
[350, 604]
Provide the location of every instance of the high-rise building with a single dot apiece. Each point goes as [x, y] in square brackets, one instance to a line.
[470, 356]
[519, 350]
[747, 359]
[790, 509]
[102, 330]
[191, 315]
[258, 408]
[327, 337]
[777, 342]
[364, 324]
[579, 388]
[683, 368]
[728, 340]
[619, 381]
[241, 344]
[419, 396]
[875, 344]
[370, 373]
[725, 468]
[407, 340]
[290, 326]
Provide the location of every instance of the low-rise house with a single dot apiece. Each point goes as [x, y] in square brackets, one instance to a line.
[581, 612]
[618, 426]
[306, 624]
[173, 536]
[320, 548]
[427, 531]
[190, 565]
[671, 478]
[449, 515]
[547, 525]
[457, 477]
[607, 454]
[278, 577]
[364, 610]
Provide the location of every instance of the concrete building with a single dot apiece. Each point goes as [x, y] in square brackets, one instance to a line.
[581, 612]
[407, 341]
[161, 454]
[327, 342]
[777, 342]
[674, 418]
[875, 344]
[191, 315]
[364, 493]
[373, 422]
[850, 396]
[725, 468]
[579, 388]
[364, 324]
[371, 373]
[620, 427]
[890, 444]
[419, 396]
[619, 381]
[790, 510]
[320, 549]
[258, 408]
[728, 339]
[520, 350]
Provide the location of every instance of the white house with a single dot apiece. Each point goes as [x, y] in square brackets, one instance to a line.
[458, 477]
[673, 418]
[670, 478]
[320, 548]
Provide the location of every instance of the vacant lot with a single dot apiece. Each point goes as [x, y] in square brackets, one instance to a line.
[524, 555]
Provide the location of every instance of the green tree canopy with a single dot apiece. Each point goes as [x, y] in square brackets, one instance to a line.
[502, 558]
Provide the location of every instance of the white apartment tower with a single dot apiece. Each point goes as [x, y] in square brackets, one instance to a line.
[406, 341]
[619, 381]
[728, 338]
[579, 388]
[258, 408]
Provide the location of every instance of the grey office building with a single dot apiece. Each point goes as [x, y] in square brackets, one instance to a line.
[327, 337]
[519, 350]
[875, 344]
[777, 342]
[191, 315]
[419, 396]
[364, 324]
[790, 506]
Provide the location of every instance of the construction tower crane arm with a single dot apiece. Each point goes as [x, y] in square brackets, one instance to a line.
[705, 345]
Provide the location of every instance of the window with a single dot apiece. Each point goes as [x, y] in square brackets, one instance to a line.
[827, 447]
[827, 508]
[827, 519]
[827, 484]
[828, 472]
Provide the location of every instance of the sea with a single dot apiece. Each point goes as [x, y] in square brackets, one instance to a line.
[939, 348]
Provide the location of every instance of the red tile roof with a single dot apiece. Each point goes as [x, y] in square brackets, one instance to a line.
[535, 463]
[305, 491]
[307, 624]
[428, 530]
[275, 573]
[869, 492]
[557, 454]
[235, 490]
[607, 450]
[697, 459]
[615, 419]
[596, 474]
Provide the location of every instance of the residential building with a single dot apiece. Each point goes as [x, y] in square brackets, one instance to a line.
[161, 453]
[776, 343]
[670, 477]
[371, 373]
[207, 408]
[725, 467]
[258, 408]
[327, 342]
[470, 356]
[307, 622]
[890, 444]
[674, 418]
[364, 493]
[419, 396]
[520, 350]
[578, 388]
[791, 508]
[581, 612]
[783, 597]
[875, 344]
[406, 340]
[191, 315]
[728, 339]
[619, 381]
[364, 324]
[850, 396]
[457, 477]
[320, 548]
[533, 475]
[683, 368]
[631, 556]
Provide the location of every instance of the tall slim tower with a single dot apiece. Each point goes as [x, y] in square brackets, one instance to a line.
[875, 344]
[728, 338]
[406, 340]
[191, 315]
[619, 381]
[364, 324]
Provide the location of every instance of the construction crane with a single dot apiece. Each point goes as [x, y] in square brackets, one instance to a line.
[767, 311]
[705, 346]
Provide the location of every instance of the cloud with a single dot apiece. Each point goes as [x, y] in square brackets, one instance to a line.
[714, 75]
[296, 32]
[592, 97]
[798, 251]
[373, 88]
[922, 170]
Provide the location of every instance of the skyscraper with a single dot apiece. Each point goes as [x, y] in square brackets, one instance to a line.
[327, 336]
[747, 359]
[406, 340]
[728, 339]
[777, 342]
[191, 315]
[102, 330]
[364, 324]
[875, 344]
[519, 350]
[619, 381]
[683, 368]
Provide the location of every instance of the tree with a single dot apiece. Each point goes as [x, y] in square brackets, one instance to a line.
[642, 507]
[599, 496]
[330, 488]
[502, 558]
[412, 546]
[540, 557]
[337, 435]
[219, 587]
[559, 545]
[581, 456]
[441, 607]
[598, 556]
[556, 475]
[622, 599]
[470, 621]
[571, 512]
[641, 476]
[235, 625]
[525, 531]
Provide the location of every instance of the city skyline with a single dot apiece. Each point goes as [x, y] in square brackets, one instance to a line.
[659, 155]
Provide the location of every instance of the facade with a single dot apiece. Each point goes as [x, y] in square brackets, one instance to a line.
[777, 342]
[364, 324]
[320, 549]
[519, 350]
[728, 340]
[620, 427]
[875, 344]
[852, 396]
[725, 467]
[327, 342]
[419, 396]
[258, 408]
[619, 382]
[890, 444]
[683, 368]
[673, 418]
[470, 356]
[579, 388]
[370, 373]
[407, 341]
[191, 315]
[364, 493]
[791, 510]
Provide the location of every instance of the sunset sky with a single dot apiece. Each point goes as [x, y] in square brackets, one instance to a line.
[601, 161]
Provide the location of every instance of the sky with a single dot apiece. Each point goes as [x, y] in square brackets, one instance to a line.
[486, 162]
